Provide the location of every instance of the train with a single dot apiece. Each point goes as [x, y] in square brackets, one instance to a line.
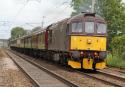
[79, 42]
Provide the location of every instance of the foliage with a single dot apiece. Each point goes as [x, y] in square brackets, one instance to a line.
[80, 6]
[115, 61]
[17, 32]
[118, 51]
[118, 44]
[123, 55]
[36, 29]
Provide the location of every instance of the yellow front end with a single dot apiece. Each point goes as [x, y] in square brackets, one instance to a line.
[91, 43]
[88, 43]
[87, 64]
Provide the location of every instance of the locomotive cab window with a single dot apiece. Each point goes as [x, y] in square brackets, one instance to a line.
[89, 27]
[101, 28]
[76, 27]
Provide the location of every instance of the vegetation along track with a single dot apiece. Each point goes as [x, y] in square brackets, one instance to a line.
[103, 76]
[57, 76]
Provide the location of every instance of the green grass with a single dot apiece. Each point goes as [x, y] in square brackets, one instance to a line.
[115, 61]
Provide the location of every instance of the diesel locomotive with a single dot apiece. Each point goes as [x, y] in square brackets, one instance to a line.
[79, 42]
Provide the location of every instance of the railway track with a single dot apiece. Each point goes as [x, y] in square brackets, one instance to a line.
[104, 77]
[54, 79]
[107, 78]
[116, 70]
[121, 71]
[113, 75]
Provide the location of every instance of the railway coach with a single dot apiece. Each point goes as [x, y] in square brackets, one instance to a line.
[79, 42]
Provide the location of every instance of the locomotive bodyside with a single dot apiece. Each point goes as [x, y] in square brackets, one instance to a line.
[57, 36]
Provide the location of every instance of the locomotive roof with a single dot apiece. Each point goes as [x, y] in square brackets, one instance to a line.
[81, 15]
[54, 24]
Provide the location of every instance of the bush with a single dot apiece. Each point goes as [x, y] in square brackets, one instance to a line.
[118, 51]
[115, 61]
[123, 56]
[118, 45]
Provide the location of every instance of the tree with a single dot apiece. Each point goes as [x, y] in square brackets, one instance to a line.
[81, 6]
[36, 29]
[119, 45]
[17, 32]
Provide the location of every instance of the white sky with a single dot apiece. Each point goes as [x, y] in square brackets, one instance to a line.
[20, 13]
[29, 15]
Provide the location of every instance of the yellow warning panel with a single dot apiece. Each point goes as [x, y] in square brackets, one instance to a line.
[101, 65]
[74, 64]
[87, 63]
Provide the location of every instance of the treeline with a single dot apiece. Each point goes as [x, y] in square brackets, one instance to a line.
[114, 13]
[17, 32]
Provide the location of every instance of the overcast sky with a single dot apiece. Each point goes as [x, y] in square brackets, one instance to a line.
[29, 13]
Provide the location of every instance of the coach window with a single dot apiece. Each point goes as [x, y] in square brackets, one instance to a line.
[101, 28]
[77, 27]
[89, 27]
